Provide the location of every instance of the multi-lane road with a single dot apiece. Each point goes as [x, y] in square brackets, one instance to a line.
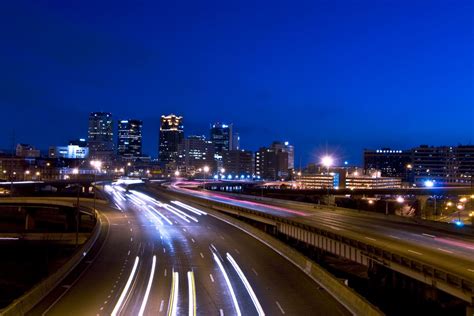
[447, 249]
[162, 256]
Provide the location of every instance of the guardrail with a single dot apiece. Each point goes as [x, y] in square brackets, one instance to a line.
[25, 303]
[355, 249]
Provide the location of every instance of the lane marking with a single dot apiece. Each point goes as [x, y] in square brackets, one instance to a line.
[237, 251]
[164, 250]
[370, 238]
[428, 235]
[161, 305]
[148, 287]
[128, 254]
[396, 237]
[279, 306]
[212, 278]
[202, 256]
[247, 285]
[221, 312]
[166, 272]
[192, 239]
[415, 252]
[253, 270]
[125, 289]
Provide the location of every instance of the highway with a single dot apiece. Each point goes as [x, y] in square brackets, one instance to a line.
[163, 257]
[447, 249]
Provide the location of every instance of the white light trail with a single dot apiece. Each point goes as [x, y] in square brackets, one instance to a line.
[189, 208]
[172, 311]
[175, 210]
[125, 289]
[229, 285]
[192, 294]
[246, 283]
[159, 213]
[148, 288]
[166, 206]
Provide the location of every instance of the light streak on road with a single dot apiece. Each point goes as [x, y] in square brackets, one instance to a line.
[183, 213]
[229, 285]
[118, 306]
[173, 304]
[172, 210]
[148, 288]
[247, 285]
[189, 208]
[9, 238]
[191, 294]
[159, 213]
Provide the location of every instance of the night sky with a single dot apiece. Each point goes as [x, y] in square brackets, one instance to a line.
[325, 75]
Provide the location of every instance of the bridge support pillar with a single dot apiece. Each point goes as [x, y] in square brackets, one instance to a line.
[469, 310]
[421, 209]
[29, 221]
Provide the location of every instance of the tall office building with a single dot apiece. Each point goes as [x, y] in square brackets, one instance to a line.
[271, 163]
[130, 139]
[171, 135]
[100, 135]
[238, 163]
[196, 152]
[224, 138]
[286, 147]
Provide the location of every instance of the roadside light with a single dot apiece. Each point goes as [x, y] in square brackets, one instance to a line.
[371, 202]
[327, 161]
[449, 203]
[400, 199]
[75, 171]
[429, 183]
[463, 200]
[176, 173]
[206, 169]
[222, 170]
[460, 207]
[37, 173]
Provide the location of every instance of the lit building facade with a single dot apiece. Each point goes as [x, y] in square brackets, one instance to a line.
[27, 151]
[368, 182]
[390, 162]
[195, 152]
[238, 163]
[271, 163]
[171, 136]
[129, 139]
[100, 136]
[224, 138]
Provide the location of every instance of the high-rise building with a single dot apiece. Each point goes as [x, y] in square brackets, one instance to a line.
[27, 151]
[100, 136]
[286, 147]
[238, 163]
[271, 163]
[196, 152]
[224, 138]
[171, 135]
[129, 139]
[390, 162]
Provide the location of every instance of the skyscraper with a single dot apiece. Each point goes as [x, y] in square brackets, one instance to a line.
[271, 163]
[171, 135]
[286, 147]
[196, 152]
[100, 135]
[130, 139]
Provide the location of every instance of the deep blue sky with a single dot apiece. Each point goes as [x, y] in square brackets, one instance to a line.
[341, 75]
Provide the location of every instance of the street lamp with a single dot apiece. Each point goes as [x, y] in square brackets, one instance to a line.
[327, 161]
[97, 164]
[176, 173]
[206, 170]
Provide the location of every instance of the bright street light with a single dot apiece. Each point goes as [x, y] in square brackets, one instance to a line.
[429, 183]
[176, 173]
[206, 169]
[222, 170]
[400, 199]
[327, 161]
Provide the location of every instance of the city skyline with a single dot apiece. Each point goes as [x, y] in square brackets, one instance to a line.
[320, 75]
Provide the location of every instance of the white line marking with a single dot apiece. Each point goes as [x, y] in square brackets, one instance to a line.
[212, 278]
[370, 238]
[202, 256]
[221, 312]
[128, 254]
[164, 250]
[428, 235]
[396, 237]
[166, 271]
[281, 309]
[161, 305]
[415, 252]
[237, 251]
[255, 272]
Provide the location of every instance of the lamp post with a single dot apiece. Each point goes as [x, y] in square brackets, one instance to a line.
[97, 164]
[206, 170]
[327, 161]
